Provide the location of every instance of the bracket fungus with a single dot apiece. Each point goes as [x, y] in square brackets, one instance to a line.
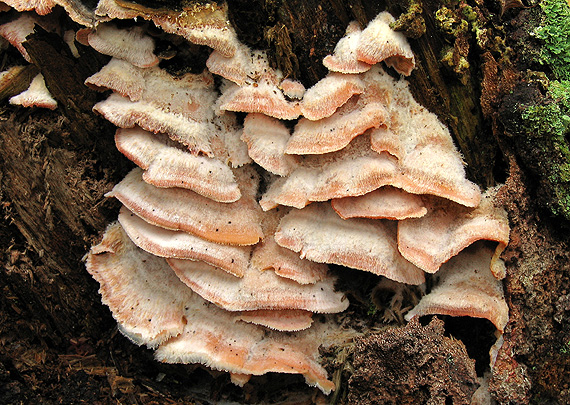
[465, 286]
[322, 100]
[206, 266]
[257, 289]
[289, 320]
[385, 202]
[153, 307]
[41, 7]
[320, 235]
[16, 31]
[266, 139]
[176, 208]
[378, 42]
[130, 44]
[178, 244]
[37, 95]
[345, 59]
[166, 165]
[447, 229]
[178, 107]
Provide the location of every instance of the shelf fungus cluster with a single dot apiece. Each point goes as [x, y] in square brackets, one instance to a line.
[221, 250]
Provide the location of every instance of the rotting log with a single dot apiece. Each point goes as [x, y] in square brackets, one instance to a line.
[56, 166]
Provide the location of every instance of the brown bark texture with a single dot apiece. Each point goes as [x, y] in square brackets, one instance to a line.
[59, 344]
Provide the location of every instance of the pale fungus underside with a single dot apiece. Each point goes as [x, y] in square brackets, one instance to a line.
[206, 266]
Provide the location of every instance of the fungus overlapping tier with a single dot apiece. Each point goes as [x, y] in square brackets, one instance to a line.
[202, 264]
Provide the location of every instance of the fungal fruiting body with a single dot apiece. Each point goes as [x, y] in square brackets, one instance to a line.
[37, 95]
[204, 266]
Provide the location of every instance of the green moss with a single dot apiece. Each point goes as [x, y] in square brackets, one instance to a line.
[411, 23]
[547, 125]
[554, 33]
[450, 23]
[469, 13]
[459, 66]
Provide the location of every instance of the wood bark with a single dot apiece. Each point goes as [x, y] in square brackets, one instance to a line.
[57, 340]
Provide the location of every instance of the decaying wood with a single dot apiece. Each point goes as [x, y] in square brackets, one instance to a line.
[56, 166]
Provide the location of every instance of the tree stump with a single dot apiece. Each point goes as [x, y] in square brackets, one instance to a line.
[483, 67]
